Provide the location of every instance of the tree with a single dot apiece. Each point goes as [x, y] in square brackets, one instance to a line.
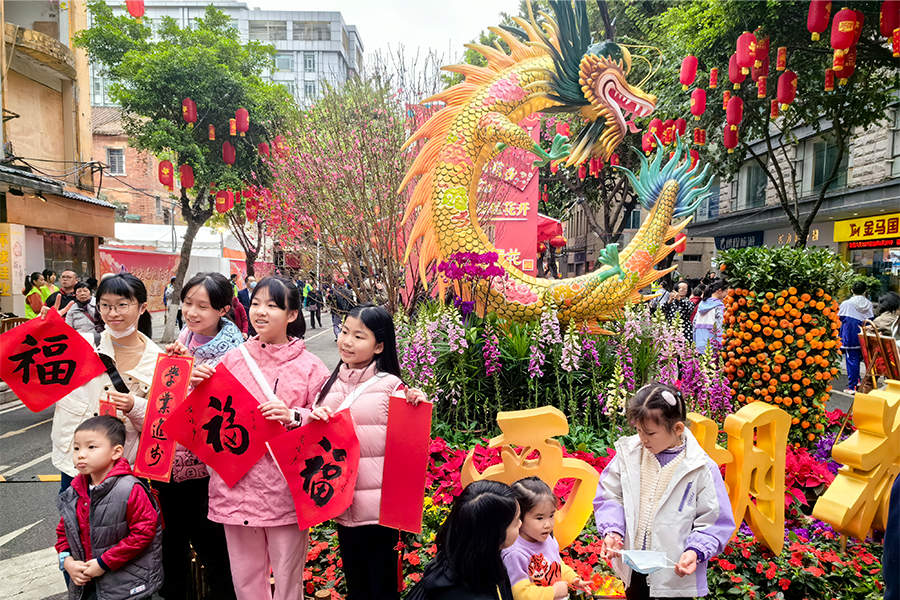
[156, 70]
[709, 29]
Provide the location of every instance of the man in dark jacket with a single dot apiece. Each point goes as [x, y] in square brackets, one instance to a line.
[67, 281]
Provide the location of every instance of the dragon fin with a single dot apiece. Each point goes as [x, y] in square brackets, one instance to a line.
[472, 73]
[458, 94]
[439, 121]
[651, 276]
[497, 59]
[419, 196]
[423, 162]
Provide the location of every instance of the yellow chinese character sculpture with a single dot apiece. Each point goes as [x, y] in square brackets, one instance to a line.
[757, 445]
[857, 499]
[532, 430]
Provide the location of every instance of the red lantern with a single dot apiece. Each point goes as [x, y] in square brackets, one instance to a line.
[688, 71]
[189, 111]
[838, 61]
[698, 103]
[746, 51]
[166, 173]
[713, 78]
[730, 138]
[787, 88]
[681, 239]
[558, 242]
[221, 202]
[895, 42]
[860, 19]
[829, 80]
[668, 132]
[655, 127]
[232, 127]
[843, 29]
[648, 143]
[773, 109]
[582, 172]
[781, 59]
[228, 154]
[263, 149]
[734, 113]
[229, 198]
[243, 120]
[761, 65]
[251, 209]
[186, 174]
[735, 74]
[680, 126]
[761, 87]
[695, 158]
[699, 136]
[614, 160]
[726, 96]
[849, 66]
[212, 132]
[135, 8]
[818, 16]
[889, 17]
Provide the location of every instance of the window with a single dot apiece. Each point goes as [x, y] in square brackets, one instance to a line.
[633, 219]
[309, 89]
[314, 31]
[268, 31]
[895, 147]
[709, 208]
[290, 86]
[284, 62]
[824, 156]
[309, 62]
[691, 257]
[100, 84]
[754, 194]
[115, 158]
[64, 251]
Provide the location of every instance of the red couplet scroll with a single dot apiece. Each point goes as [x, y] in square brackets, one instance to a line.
[221, 423]
[168, 389]
[405, 464]
[43, 360]
[319, 462]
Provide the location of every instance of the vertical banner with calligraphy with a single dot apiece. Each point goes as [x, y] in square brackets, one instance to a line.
[510, 187]
[221, 423]
[45, 359]
[168, 389]
[405, 464]
[319, 462]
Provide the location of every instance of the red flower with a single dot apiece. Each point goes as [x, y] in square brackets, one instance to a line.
[784, 583]
[815, 571]
[726, 566]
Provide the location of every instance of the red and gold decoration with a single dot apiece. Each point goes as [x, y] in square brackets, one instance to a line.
[889, 17]
[222, 202]
[212, 132]
[242, 121]
[773, 109]
[818, 17]
[734, 112]
[726, 96]
[189, 112]
[829, 80]
[735, 75]
[232, 127]
[787, 89]
[746, 52]
[698, 103]
[781, 59]
[730, 138]
[761, 86]
[849, 66]
[228, 154]
[135, 8]
[699, 136]
[166, 174]
[186, 175]
[558, 242]
[688, 71]
[713, 78]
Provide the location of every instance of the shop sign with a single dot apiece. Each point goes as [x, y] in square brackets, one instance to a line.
[791, 237]
[891, 243]
[867, 228]
[739, 240]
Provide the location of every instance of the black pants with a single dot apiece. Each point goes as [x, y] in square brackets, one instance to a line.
[370, 561]
[315, 312]
[184, 508]
[639, 590]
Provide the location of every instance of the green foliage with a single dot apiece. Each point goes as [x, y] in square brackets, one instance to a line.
[762, 269]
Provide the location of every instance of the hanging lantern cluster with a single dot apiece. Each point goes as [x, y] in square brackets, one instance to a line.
[746, 52]
[736, 74]
[166, 174]
[889, 23]
[699, 136]
[846, 29]
[558, 242]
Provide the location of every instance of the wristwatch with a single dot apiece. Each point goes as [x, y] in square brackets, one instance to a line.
[62, 559]
[296, 417]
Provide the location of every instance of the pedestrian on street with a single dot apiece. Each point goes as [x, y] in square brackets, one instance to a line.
[49, 285]
[315, 302]
[341, 301]
[710, 316]
[82, 317]
[852, 313]
[32, 291]
[67, 281]
[678, 305]
[185, 499]
[109, 536]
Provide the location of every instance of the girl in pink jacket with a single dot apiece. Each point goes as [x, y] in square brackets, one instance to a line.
[258, 512]
[369, 372]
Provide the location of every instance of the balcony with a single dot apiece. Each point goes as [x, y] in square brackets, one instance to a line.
[41, 48]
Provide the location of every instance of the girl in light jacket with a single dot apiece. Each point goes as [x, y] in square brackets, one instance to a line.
[207, 336]
[662, 492]
[365, 378]
[258, 512]
[122, 305]
[710, 315]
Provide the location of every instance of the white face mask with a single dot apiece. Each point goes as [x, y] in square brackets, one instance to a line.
[124, 333]
[646, 561]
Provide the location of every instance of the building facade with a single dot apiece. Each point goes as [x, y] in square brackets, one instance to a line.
[49, 215]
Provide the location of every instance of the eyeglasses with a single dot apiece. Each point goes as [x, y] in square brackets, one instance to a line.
[118, 308]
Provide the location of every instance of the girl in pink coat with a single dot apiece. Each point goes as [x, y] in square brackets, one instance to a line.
[258, 512]
[369, 372]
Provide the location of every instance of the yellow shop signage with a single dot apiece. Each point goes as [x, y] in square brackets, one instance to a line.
[867, 228]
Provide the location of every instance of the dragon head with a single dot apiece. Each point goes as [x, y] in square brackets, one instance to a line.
[611, 100]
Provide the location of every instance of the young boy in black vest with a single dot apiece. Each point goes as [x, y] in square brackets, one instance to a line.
[109, 536]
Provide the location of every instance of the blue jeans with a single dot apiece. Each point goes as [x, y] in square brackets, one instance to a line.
[853, 355]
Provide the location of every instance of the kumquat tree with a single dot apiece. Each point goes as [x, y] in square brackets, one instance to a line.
[781, 341]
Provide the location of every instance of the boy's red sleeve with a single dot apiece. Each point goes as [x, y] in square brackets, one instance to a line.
[142, 519]
[62, 542]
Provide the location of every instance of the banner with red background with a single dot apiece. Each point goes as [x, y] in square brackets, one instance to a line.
[155, 269]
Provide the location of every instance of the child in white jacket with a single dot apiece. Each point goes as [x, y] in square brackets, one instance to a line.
[662, 493]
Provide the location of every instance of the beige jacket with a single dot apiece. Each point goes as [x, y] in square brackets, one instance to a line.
[84, 403]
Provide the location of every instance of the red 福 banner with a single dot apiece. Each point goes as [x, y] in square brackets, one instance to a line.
[168, 390]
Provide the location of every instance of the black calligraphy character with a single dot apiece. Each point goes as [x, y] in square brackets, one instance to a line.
[236, 438]
[171, 374]
[54, 371]
[26, 358]
[156, 431]
[163, 403]
[156, 454]
[320, 489]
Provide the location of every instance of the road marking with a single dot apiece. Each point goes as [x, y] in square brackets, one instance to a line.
[4, 539]
[307, 340]
[56, 477]
[27, 465]
[24, 429]
[12, 408]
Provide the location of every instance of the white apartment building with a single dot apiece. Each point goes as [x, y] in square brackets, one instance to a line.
[313, 48]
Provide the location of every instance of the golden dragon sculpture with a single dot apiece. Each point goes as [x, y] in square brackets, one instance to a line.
[552, 67]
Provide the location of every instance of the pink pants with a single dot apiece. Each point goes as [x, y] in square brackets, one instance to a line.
[252, 550]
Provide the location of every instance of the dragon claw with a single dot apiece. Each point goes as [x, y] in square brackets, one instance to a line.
[609, 256]
[560, 148]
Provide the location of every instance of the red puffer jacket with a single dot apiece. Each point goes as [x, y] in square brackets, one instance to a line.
[141, 516]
